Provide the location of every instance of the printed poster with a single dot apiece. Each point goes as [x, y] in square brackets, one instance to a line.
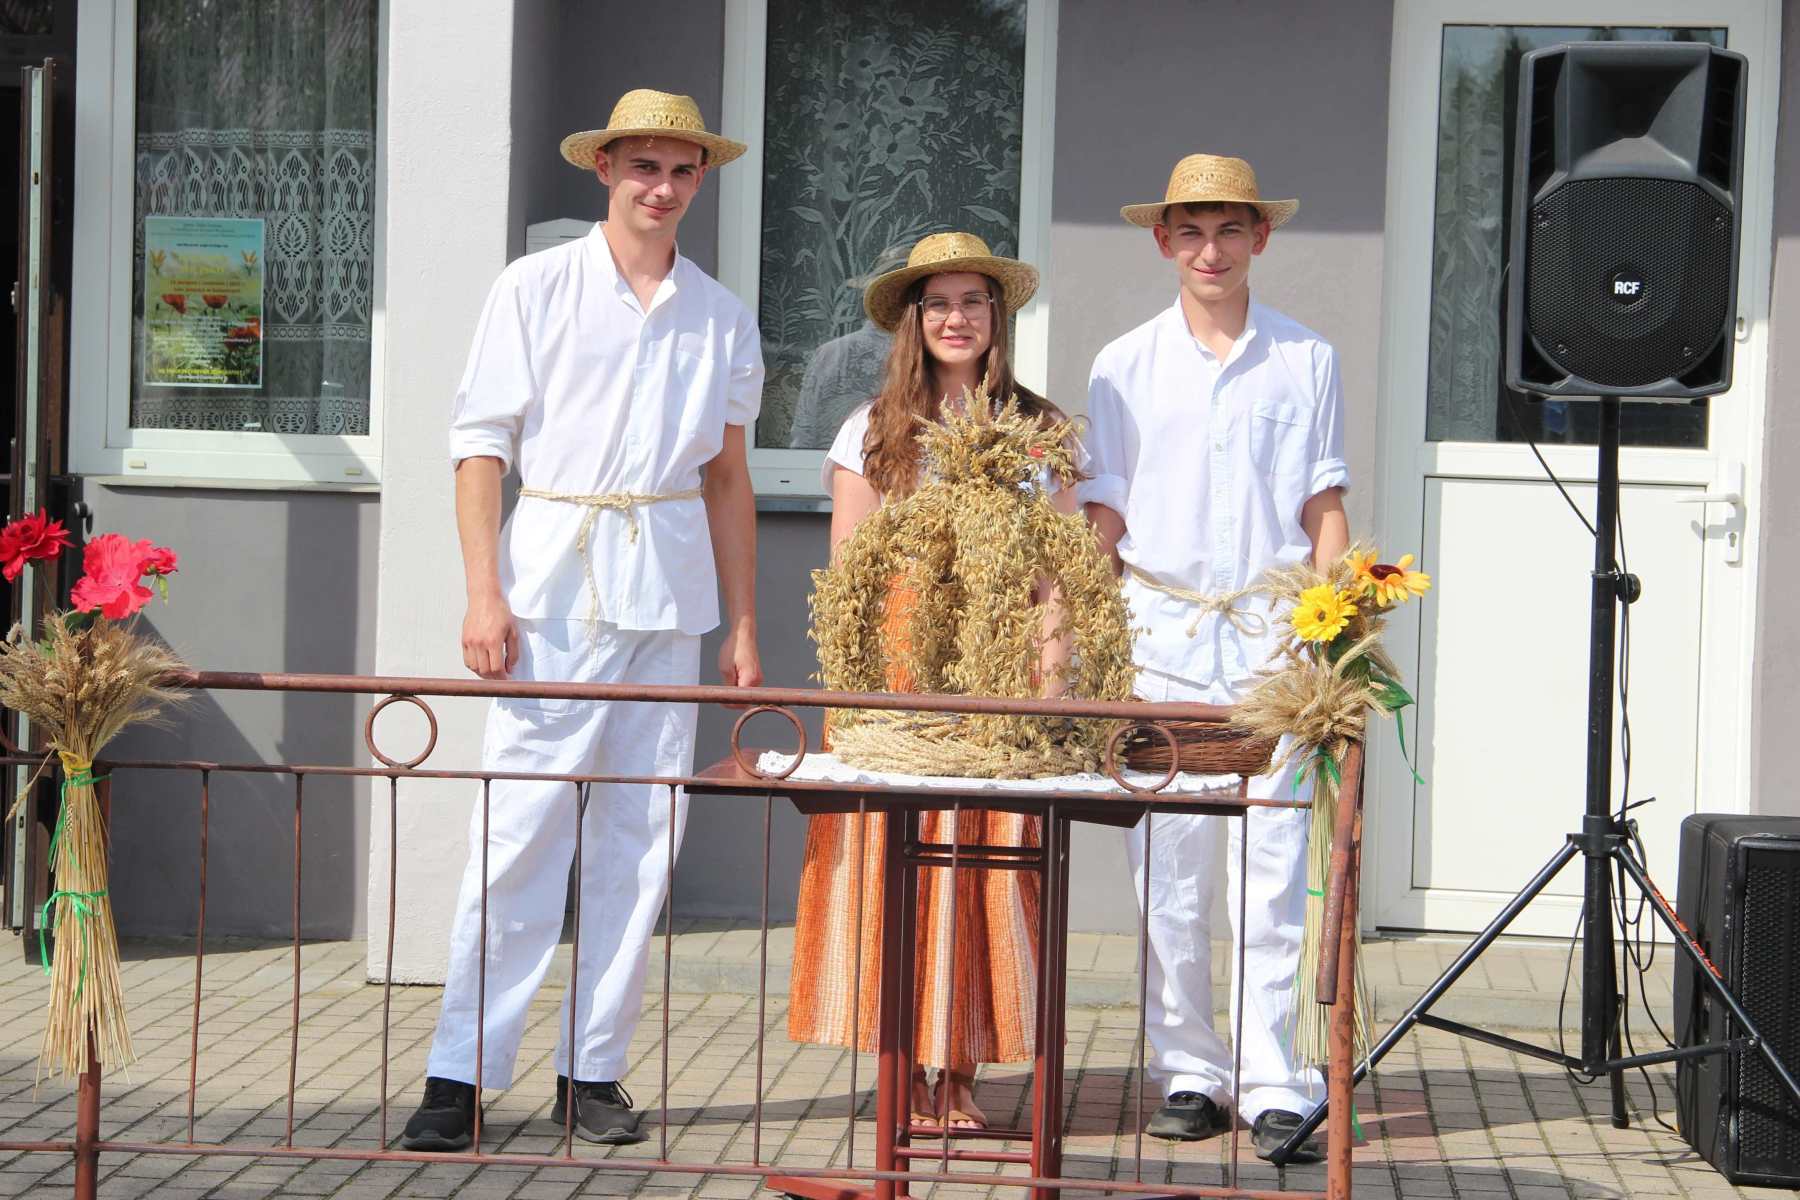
[203, 302]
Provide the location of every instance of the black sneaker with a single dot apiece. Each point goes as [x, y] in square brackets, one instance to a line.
[445, 1117]
[1274, 1128]
[1188, 1117]
[602, 1112]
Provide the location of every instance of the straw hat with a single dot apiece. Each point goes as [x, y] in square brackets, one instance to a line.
[885, 298]
[644, 112]
[1211, 178]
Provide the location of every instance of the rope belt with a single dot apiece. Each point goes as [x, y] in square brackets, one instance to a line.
[1248, 623]
[619, 502]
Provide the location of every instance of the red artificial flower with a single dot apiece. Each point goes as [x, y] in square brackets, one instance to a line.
[161, 561]
[214, 299]
[176, 301]
[30, 538]
[114, 565]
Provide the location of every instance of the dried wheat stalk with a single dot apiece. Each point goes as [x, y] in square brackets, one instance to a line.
[972, 543]
[81, 687]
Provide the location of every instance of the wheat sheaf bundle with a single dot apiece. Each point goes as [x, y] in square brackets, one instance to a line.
[1320, 696]
[970, 546]
[80, 687]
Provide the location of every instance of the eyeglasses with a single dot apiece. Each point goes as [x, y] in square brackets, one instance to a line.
[974, 307]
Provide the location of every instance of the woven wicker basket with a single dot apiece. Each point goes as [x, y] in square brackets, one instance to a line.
[1204, 747]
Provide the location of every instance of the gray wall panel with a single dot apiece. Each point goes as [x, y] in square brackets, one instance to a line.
[1777, 640]
[269, 581]
[574, 60]
[1299, 89]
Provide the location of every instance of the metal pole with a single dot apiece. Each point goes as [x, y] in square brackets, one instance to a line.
[1340, 1070]
[87, 1126]
[1599, 987]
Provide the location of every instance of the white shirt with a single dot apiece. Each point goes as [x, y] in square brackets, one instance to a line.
[572, 379]
[1209, 464]
[847, 451]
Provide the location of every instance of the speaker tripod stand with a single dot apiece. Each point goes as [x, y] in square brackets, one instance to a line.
[1604, 844]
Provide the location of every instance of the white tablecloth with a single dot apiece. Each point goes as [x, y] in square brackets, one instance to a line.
[827, 768]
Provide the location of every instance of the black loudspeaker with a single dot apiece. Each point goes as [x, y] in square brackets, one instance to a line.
[1623, 254]
[1739, 892]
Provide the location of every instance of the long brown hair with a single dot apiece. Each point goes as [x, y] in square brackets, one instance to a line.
[890, 447]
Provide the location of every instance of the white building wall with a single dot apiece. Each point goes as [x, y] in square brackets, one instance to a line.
[447, 141]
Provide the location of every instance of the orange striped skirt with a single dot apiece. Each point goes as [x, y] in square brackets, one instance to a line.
[975, 980]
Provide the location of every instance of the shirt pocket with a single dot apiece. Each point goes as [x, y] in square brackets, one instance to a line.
[1279, 431]
[697, 386]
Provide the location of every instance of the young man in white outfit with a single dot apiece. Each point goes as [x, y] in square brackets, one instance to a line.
[620, 379]
[1217, 443]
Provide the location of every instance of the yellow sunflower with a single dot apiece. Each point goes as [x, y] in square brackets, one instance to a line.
[1394, 583]
[1322, 612]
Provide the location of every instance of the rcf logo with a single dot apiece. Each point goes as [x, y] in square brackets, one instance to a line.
[1627, 286]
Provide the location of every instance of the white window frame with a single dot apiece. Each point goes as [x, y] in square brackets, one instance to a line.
[103, 445]
[777, 472]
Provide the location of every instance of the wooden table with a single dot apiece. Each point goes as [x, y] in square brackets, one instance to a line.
[905, 855]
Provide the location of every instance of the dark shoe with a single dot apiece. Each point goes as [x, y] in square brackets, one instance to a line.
[1274, 1128]
[445, 1117]
[602, 1112]
[1188, 1117]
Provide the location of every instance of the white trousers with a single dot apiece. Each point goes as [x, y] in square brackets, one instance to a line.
[1187, 1054]
[531, 844]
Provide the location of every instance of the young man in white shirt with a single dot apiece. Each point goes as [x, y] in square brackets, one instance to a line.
[1216, 434]
[620, 379]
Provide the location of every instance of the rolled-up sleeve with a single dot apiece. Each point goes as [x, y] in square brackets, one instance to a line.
[743, 391]
[1326, 444]
[497, 384]
[1105, 444]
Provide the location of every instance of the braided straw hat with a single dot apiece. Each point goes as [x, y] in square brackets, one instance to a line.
[885, 298]
[1207, 179]
[644, 112]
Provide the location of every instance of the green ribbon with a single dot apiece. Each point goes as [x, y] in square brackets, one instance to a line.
[47, 923]
[78, 901]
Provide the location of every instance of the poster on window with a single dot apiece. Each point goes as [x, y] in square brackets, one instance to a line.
[203, 302]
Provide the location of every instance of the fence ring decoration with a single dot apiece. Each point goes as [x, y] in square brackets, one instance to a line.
[430, 720]
[752, 768]
[1112, 756]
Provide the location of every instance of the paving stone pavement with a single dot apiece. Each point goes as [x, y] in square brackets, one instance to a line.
[1443, 1117]
[1519, 983]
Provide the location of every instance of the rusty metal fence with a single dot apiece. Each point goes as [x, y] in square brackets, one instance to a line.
[896, 1165]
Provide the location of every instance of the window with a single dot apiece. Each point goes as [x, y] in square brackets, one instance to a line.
[228, 307]
[871, 125]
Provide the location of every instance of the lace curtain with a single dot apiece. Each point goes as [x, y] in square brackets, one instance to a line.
[883, 123]
[267, 110]
[1477, 105]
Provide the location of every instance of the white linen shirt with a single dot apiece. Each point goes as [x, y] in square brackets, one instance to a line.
[573, 380]
[1209, 463]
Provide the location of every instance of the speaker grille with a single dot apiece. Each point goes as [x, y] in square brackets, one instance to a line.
[1591, 240]
[1768, 1124]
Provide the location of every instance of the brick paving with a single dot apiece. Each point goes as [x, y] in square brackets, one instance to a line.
[1443, 1117]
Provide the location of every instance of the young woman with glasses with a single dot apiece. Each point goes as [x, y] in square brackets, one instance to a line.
[948, 310]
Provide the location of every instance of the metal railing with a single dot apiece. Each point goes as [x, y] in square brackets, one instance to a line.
[1132, 794]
